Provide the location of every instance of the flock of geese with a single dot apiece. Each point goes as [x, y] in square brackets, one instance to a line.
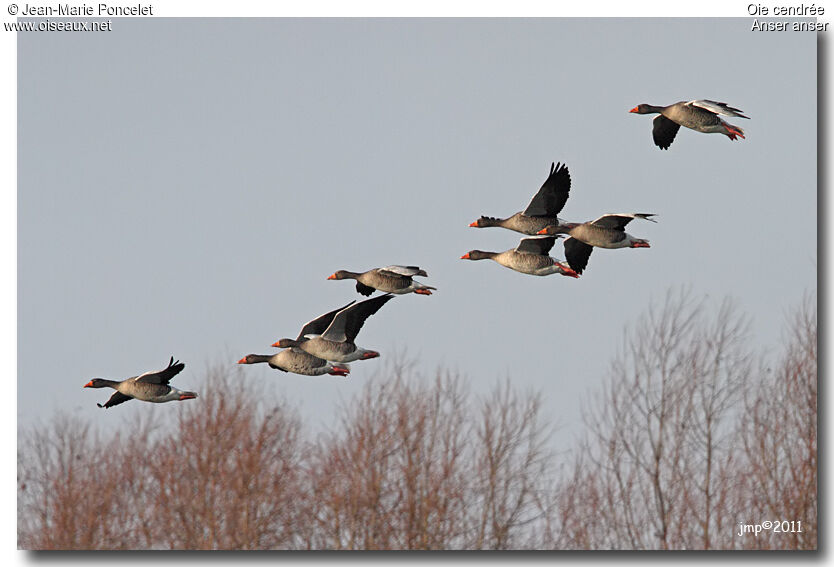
[327, 344]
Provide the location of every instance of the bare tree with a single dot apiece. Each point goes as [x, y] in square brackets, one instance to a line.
[652, 472]
[779, 432]
[513, 469]
[411, 467]
[65, 488]
[389, 476]
[224, 475]
[229, 479]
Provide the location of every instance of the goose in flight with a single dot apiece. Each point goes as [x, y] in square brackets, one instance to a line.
[151, 386]
[529, 257]
[331, 336]
[699, 115]
[391, 279]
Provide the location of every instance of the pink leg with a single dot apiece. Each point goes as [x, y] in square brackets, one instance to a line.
[732, 131]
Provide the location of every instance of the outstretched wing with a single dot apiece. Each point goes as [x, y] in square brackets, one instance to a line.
[318, 325]
[553, 195]
[577, 254]
[116, 399]
[664, 132]
[618, 221]
[347, 322]
[536, 245]
[717, 108]
[161, 376]
[365, 290]
[408, 271]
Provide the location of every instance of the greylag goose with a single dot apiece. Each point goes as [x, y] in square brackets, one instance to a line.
[529, 257]
[543, 208]
[332, 335]
[391, 279]
[149, 387]
[608, 231]
[699, 115]
[298, 362]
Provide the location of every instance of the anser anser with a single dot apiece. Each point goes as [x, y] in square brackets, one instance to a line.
[699, 115]
[298, 362]
[529, 257]
[331, 335]
[149, 387]
[543, 208]
[391, 279]
[608, 231]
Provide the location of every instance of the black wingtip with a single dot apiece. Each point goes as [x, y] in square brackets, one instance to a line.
[99, 405]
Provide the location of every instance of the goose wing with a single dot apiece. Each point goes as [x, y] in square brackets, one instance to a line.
[407, 271]
[348, 322]
[536, 245]
[664, 131]
[161, 376]
[618, 221]
[577, 254]
[318, 325]
[365, 290]
[717, 108]
[116, 399]
[553, 195]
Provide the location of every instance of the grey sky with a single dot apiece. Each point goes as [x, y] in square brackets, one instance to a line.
[186, 186]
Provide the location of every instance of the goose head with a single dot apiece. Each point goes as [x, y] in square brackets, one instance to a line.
[341, 275]
[477, 255]
[285, 343]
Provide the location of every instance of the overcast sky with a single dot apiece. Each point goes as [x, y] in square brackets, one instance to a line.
[185, 187]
